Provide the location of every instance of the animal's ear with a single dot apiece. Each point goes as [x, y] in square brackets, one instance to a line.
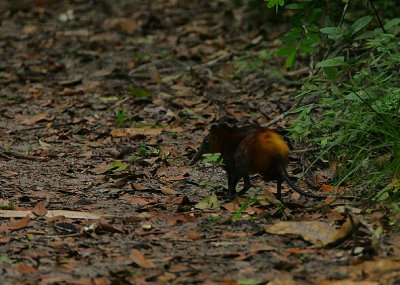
[214, 128]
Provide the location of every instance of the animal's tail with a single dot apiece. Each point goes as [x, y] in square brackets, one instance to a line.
[285, 176]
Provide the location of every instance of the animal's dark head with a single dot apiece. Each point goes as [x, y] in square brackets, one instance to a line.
[212, 143]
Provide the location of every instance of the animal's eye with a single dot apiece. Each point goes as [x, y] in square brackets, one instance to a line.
[206, 142]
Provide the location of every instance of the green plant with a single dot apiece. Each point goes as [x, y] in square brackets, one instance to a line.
[238, 213]
[353, 96]
[121, 116]
[355, 115]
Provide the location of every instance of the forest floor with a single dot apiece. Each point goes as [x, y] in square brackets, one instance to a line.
[102, 105]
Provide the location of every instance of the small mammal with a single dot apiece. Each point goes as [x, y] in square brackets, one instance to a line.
[249, 150]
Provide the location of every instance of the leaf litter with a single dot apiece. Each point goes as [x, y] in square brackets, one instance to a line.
[103, 103]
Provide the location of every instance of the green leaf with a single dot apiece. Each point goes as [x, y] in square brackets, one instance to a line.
[209, 202]
[6, 259]
[332, 31]
[392, 23]
[331, 72]
[117, 166]
[286, 51]
[294, 6]
[360, 23]
[336, 61]
[314, 37]
[290, 60]
[139, 93]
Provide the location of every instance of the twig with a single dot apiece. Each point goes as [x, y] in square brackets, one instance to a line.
[21, 155]
[280, 117]
[343, 13]
[377, 16]
[305, 150]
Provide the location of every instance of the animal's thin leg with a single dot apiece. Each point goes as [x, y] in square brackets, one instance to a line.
[279, 189]
[246, 186]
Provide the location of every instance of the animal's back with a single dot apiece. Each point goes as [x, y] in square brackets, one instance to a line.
[268, 150]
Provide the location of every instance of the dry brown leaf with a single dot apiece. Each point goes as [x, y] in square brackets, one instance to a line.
[135, 200]
[168, 191]
[139, 187]
[193, 235]
[175, 178]
[33, 119]
[40, 209]
[138, 257]
[24, 268]
[133, 132]
[102, 168]
[283, 278]
[257, 247]
[19, 224]
[345, 230]
[318, 233]
[346, 282]
[373, 267]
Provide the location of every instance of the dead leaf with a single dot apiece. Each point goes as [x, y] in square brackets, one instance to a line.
[102, 168]
[133, 132]
[135, 200]
[193, 235]
[33, 119]
[346, 282]
[373, 267]
[347, 227]
[168, 191]
[138, 257]
[139, 187]
[19, 224]
[40, 209]
[318, 233]
[257, 247]
[282, 279]
[24, 268]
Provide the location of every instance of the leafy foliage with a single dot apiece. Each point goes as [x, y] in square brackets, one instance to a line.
[353, 98]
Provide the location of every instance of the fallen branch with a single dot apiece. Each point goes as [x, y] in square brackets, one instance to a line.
[50, 214]
[5, 153]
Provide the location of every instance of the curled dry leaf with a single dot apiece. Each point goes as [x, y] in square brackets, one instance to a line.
[315, 232]
[138, 257]
[318, 233]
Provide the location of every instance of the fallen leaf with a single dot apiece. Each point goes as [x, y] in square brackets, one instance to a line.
[168, 191]
[19, 224]
[133, 132]
[139, 187]
[40, 209]
[347, 227]
[175, 178]
[138, 257]
[210, 202]
[257, 247]
[26, 269]
[318, 233]
[33, 119]
[346, 282]
[193, 235]
[135, 200]
[282, 278]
